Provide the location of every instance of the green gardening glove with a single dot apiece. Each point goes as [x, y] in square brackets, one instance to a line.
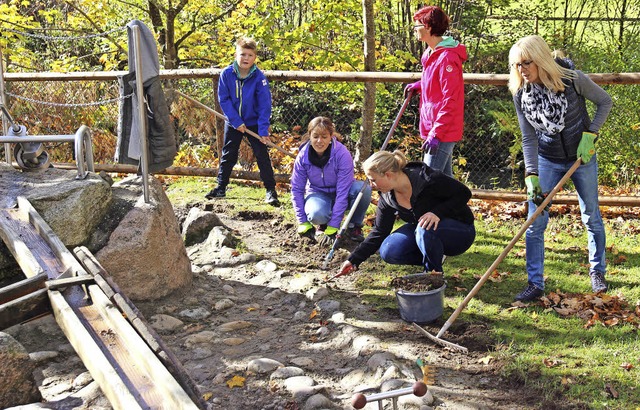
[587, 146]
[534, 192]
[327, 237]
[305, 227]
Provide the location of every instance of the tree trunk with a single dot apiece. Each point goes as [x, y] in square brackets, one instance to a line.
[369, 104]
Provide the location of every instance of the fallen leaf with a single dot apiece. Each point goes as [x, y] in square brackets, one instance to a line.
[627, 366]
[566, 381]
[611, 391]
[457, 289]
[236, 381]
[313, 314]
[206, 396]
[551, 362]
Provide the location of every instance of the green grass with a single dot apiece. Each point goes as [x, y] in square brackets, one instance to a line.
[580, 362]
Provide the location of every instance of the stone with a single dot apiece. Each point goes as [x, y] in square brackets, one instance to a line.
[162, 322]
[303, 361]
[380, 360]
[16, 372]
[145, 254]
[198, 224]
[328, 306]
[235, 325]
[286, 372]
[223, 304]
[43, 356]
[72, 207]
[266, 266]
[316, 294]
[263, 365]
[318, 402]
[206, 336]
[199, 313]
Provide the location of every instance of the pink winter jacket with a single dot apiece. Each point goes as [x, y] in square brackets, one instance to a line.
[442, 91]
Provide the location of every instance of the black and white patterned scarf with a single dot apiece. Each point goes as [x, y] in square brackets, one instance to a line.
[544, 109]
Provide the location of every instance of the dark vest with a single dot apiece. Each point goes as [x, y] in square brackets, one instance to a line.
[562, 146]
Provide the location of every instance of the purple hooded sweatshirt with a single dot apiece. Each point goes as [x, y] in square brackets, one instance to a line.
[335, 178]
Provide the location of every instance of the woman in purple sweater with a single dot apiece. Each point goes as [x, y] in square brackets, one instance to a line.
[323, 185]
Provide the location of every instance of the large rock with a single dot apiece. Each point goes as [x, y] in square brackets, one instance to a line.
[71, 207]
[198, 224]
[145, 253]
[16, 373]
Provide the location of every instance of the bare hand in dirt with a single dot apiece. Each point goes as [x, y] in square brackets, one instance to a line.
[428, 221]
[346, 269]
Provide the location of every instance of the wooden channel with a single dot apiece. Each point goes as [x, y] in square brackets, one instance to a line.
[129, 371]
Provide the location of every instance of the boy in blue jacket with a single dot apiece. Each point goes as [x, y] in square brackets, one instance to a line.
[245, 98]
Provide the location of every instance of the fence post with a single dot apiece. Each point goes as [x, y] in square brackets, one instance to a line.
[5, 120]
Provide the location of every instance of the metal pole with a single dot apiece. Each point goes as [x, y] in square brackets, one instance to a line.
[5, 122]
[142, 128]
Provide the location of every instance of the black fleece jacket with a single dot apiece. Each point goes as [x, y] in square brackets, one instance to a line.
[432, 191]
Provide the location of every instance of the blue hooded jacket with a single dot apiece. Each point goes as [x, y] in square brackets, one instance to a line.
[335, 178]
[245, 100]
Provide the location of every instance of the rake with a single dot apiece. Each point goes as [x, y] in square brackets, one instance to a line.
[437, 339]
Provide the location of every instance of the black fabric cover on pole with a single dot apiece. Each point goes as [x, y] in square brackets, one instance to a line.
[160, 133]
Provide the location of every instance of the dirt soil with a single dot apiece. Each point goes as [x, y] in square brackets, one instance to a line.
[274, 305]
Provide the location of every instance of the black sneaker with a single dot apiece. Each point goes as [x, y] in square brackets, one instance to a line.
[598, 284]
[217, 192]
[529, 293]
[272, 197]
[355, 233]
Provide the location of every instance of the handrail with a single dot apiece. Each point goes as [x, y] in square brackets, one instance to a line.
[83, 146]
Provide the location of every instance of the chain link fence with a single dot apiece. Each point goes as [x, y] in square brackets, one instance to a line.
[488, 156]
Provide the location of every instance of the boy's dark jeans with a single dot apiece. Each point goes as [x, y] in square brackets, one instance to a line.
[232, 140]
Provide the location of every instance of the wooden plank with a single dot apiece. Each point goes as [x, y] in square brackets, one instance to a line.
[65, 282]
[94, 359]
[166, 391]
[24, 308]
[22, 288]
[15, 234]
[58, 248]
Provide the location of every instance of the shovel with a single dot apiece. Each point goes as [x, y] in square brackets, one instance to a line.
[495, 264]
[345, 224]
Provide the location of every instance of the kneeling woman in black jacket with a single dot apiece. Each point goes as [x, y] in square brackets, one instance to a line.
[434, 206]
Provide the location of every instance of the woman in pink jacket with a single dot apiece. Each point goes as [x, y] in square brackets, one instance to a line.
[441, 88]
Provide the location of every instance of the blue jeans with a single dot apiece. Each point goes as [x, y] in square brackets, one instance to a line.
[441, 160]
[413, 245]
[585, 179]
[232, 140]
[318, 206]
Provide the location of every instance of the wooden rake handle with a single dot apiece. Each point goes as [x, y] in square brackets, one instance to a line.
[508, 248]
[223, 117]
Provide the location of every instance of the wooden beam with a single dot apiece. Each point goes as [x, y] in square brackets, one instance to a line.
[59, 249]
[10, 231]
[22, 288]
[306, 76]
[170, 393]
[24, 308]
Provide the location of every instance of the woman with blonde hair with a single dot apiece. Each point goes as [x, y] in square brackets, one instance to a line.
[549, 96]
[434, 206]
